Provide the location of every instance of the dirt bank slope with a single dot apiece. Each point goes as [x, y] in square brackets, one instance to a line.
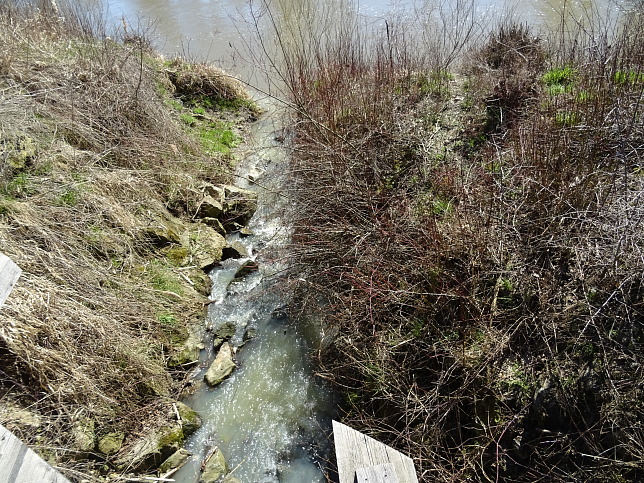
[105, 152]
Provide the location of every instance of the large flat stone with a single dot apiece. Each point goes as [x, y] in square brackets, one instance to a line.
[222, 366]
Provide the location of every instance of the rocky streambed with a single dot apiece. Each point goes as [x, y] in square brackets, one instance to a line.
[264, 415]
[207, 242]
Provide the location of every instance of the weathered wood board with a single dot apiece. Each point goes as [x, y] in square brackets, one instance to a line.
[19, 464]
[358, 452]
[9, 273]
[377, 474]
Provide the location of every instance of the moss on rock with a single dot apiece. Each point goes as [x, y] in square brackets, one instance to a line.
[84, 436]
[152, 449]
[111, 443]
[176, 460]
[190, 420]
[215, 468]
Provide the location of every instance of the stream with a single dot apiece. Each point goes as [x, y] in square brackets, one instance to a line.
[271, 417]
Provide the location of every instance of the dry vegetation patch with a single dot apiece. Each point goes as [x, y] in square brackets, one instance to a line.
[474, 240]
[100, 177]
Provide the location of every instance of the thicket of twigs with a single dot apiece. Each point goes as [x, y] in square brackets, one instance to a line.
[474, 239]
[94, 152]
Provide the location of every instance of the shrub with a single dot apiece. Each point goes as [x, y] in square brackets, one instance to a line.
[485, 300]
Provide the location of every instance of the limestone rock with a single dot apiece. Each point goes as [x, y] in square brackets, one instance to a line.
[245, 231]
[163, 232]
[111, 443]
[221, 367]
[207, 246]
[224, 333]
[14, 416]
[190, 420]
[214, 223]
[232, 192]
[216, 342]
[226, 207]
[239, 206]
[17, 151]
[209, 208]
[202, 282]
[188, 353]
[176, 460]
[218, 193]
[251, 333]
[83, 436]
[254, 174]
[246, 268]
[235, 250]
[152, 449]
[215, 467]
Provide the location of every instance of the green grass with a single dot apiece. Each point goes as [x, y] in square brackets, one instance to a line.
[17, 187]
[217, 137]
[188, 119]
[163, 279]
[175, 104]
[167, 319]
[559, 80]
[417, 327]
[221, 104]
[441, 207]
[567, 118]
[559, 76]
[5, 207]
[69, 197]
[176, 256]
[628, 77]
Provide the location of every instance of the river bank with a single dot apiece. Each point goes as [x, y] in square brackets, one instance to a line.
[467, 218]
[115, 200]
[468, 231]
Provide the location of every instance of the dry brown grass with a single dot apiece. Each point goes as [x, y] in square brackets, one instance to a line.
[474, 244]
[93, 152]
[205, 81]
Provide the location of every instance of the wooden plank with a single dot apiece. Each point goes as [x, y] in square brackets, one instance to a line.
[9, 273]
[355, 450]
[19, 464]
[377, 474]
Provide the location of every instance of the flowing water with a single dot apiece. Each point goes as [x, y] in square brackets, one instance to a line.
[271, 417]
[228, 33]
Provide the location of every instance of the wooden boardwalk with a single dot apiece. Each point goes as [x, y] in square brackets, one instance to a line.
[9, 274]
[362, 459]
[18, 463]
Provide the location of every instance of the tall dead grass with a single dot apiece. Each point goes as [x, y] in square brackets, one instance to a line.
[92, 154]
[473, 238]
